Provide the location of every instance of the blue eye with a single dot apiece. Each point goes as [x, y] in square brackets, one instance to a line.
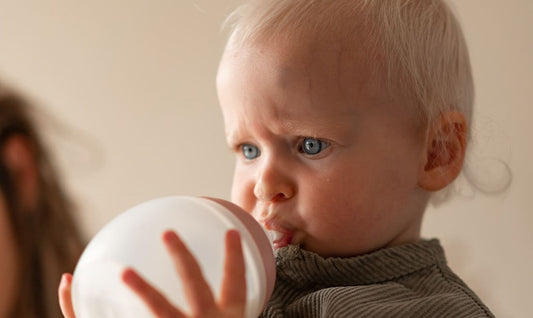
[250, 151]
[312, 146]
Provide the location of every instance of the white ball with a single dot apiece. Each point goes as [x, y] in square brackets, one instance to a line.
[133, 239]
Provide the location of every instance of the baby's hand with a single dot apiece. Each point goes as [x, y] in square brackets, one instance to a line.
[201, 300]
[232, 301]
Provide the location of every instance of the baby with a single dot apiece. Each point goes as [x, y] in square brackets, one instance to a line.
[344, 116]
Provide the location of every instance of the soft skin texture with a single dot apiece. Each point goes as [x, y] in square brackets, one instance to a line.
[361, 192]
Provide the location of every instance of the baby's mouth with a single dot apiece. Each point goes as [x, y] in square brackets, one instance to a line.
[279, 238]
[278, 234]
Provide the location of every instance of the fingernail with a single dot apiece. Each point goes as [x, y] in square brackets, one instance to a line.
[65, 279]
[128, 276]
[170, 236]
[234, 234]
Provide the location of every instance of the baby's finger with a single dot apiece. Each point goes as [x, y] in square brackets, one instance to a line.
[154, 300]
[64, 295]
[197, 290]
[233, 294]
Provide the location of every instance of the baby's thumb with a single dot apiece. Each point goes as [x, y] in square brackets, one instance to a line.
[65, 300]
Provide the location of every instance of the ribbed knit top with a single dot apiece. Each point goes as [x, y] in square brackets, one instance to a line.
[409, 280]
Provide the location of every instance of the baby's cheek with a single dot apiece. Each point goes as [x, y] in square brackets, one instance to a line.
[242, 193]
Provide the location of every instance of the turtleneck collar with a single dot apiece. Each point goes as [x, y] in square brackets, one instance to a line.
[303, 267]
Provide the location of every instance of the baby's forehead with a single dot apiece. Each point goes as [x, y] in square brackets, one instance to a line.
[305, 45]
[324, 74]
[327, 37]
[347, 64]
[414, 51]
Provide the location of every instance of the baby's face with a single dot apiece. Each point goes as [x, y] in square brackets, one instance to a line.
[323, 158]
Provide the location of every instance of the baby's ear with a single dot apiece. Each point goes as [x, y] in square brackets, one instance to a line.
[19, 158]
[445, 151]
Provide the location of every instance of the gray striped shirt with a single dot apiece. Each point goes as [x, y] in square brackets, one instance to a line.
[410, 280]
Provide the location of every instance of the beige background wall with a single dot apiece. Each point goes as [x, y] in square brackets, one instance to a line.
[131, 111]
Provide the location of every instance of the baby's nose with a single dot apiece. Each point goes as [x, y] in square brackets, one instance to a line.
[263, 193]
[273, 187]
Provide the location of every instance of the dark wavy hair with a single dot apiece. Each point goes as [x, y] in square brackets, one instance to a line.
[46, 234]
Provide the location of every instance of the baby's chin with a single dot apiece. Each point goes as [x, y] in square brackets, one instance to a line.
[283, 238]
[328, 251]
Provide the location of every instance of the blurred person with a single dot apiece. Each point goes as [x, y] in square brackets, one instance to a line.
[39, 239]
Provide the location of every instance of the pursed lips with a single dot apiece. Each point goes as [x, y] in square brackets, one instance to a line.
[270, 216]
[278, 235]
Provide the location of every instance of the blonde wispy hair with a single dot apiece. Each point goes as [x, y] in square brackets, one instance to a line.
[420, 43]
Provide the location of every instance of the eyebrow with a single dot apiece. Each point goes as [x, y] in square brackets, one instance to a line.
[309, 128]
[236, 137]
